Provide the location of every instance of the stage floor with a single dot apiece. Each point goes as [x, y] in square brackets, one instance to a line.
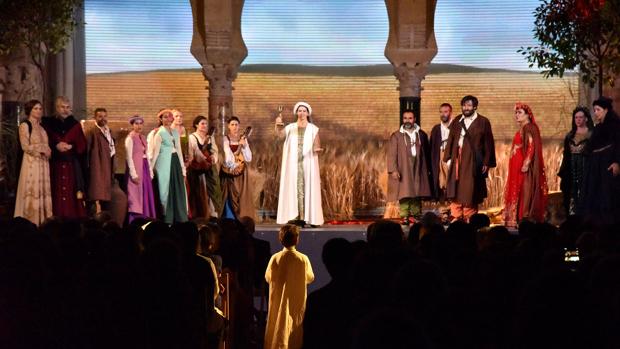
[311, 243]
[312, 240]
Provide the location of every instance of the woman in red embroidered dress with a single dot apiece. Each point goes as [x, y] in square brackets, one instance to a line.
[526, 189]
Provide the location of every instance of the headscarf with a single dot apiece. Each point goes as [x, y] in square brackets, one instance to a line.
[135, 118]
[163, 112]
[604, 102]
[302, 104]
[527, 110]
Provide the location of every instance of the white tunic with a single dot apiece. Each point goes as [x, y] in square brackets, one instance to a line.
[288, 273]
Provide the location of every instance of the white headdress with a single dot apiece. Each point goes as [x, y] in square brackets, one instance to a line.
[302, 104]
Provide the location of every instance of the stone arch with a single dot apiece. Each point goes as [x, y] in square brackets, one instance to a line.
[217, 44]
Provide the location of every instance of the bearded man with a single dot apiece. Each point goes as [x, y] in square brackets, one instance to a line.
[471, 153]
[101, 151]
[408, 163]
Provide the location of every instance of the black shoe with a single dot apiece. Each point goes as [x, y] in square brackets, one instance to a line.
[314, 226]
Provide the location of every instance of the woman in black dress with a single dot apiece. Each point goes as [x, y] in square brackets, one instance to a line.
[602, 178]
[574, 160]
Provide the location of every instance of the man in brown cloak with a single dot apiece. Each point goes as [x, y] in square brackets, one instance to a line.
[471, 150]
[101, 151]
[408, 163]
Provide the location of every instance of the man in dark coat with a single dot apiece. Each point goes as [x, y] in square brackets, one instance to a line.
[67, 162]
[101, 151]
[471, 151]
[408, 163]
[439, 140]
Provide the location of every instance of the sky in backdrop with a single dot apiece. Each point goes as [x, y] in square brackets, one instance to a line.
[140, 35]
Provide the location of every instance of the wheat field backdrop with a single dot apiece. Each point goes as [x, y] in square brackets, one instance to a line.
[356, 114]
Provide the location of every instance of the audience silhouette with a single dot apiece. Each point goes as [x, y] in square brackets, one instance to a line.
[93, 284]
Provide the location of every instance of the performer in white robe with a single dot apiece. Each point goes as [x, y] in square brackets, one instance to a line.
[300, 179]
[288, 273]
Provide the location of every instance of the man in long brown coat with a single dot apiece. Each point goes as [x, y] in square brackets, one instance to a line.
[408, 163]
[101, 151]
[471, 148]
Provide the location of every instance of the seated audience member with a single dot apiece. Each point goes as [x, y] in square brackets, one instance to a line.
[328, 310]
[262, 253]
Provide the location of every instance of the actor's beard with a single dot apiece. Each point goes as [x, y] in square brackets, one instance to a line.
[408, 125]
[468, 113]
[444, 118]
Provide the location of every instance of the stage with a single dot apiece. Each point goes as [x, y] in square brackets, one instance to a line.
[312, 240]
[311, 244]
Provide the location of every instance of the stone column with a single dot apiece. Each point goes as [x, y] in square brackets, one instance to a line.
[410, 47]
[67, 70]
[220, 94]
[218, 46]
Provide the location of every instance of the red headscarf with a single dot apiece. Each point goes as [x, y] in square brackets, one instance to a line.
[526, 108]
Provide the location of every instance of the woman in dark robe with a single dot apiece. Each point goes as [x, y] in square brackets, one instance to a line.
[526, 187]
[602, 181]
[574, 160]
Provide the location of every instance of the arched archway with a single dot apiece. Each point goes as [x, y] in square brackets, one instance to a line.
[219, 47]
[352, 105]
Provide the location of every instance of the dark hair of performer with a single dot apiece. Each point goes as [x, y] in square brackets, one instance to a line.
[446, 105]
[581, 112]
[409, 111]
[31, 104]
[197, 120]
[233, 118]
[603, 108]
[474, 100]
[98, 110]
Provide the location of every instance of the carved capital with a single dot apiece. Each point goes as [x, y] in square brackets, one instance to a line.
[411, 43]
[220, 77]
[410, 79]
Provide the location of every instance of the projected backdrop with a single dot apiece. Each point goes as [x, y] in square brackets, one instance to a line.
[329, 53]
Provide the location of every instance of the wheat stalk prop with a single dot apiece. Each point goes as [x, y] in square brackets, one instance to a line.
[354, 177]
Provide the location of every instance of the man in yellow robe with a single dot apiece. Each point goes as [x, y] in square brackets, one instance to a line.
[288, 274]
